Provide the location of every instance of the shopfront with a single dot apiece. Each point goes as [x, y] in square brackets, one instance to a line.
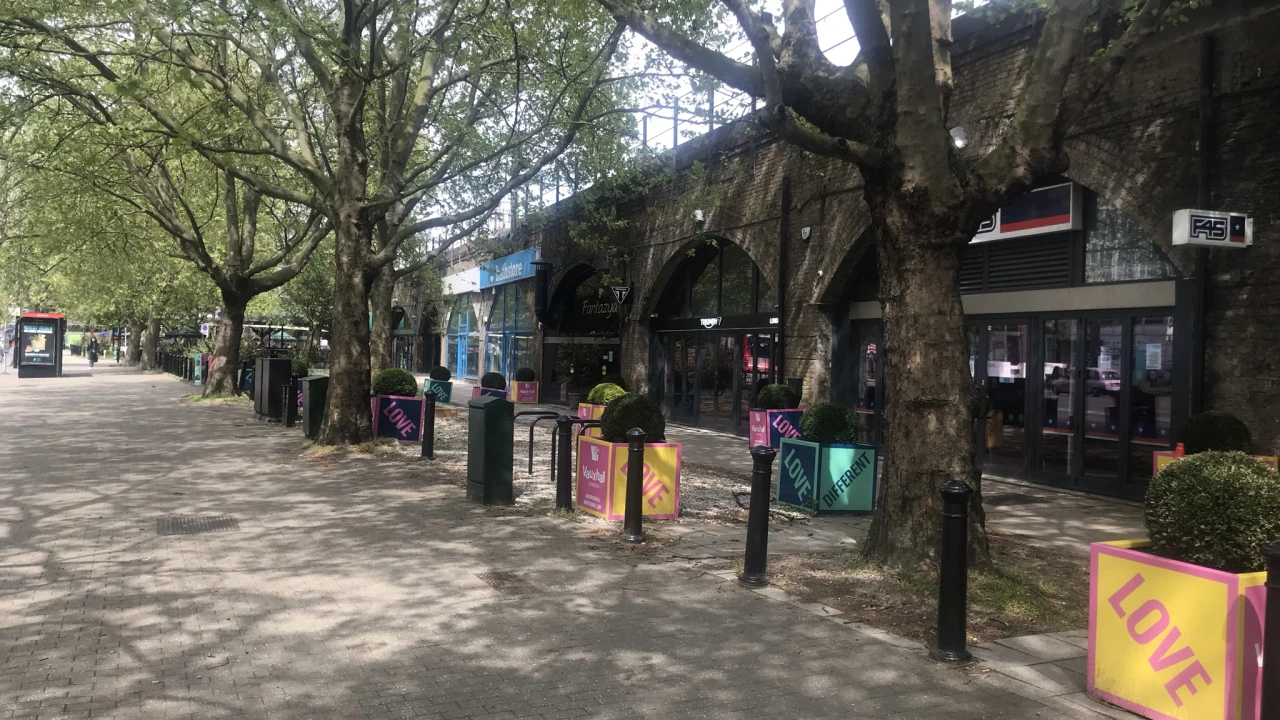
[1072, 337]
[508, 336]
[581, 344]
[716, 339]
[461, 352]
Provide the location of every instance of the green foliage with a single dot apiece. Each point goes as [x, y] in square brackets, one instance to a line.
[628, 411]
[1215, 431]
[394, 381]
[493, 380]
[440, 373]
[777, 397]
[829, 423]
[525, 374]
[299, 367]
[1215, 509]
[605, 393]
[614, 379]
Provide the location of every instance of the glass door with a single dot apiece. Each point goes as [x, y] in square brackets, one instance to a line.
[683, 371]
[1101, 385]
[1006, 385]
[1058, 393]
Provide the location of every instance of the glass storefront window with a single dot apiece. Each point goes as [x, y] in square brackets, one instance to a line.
[1101, 386]
[1118, 248]
[1007, 391]
[1060, 388]
[463, 337]
[510, 327]
[1150, 393]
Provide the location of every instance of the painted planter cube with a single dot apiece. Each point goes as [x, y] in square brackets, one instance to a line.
[587, 411]
[1161, 458]
[822, 478]
[525, 392]
[443, 390]
[769, 427]
[197, 368]
[602, 479]
[398, 417]
[1170, 640]
[488, 392]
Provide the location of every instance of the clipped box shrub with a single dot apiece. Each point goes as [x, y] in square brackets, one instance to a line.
[525, 374]
[440, 373]
[394, 381]
[493, 381]
[829, 423]
[1215, 431]
[605, 393]
[1214, 509]
[299, 367]
[629, 411]
[777, 396]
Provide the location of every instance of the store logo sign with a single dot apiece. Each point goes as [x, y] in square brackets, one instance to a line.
[710, 322]
[1205, 227]
[620, 293]
[1212, 229]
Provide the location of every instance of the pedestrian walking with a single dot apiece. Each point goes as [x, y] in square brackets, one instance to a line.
[93, 350]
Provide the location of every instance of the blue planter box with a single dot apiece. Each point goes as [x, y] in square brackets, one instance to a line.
[443, 390]
[823, 479]
[399, 418]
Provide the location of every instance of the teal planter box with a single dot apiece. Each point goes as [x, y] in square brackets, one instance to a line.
[826, 479]
[443, 390]
[197, 368]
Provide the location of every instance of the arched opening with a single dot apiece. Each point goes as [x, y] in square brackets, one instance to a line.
[716, 338]
[462, 340]
[581, 344]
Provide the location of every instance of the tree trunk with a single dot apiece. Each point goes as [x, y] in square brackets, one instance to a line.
[225, 362]
[134, 356]
[928, 395]
[150, 343]
[380, 295]
[347, 420]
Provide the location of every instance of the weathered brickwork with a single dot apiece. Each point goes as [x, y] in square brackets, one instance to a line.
[1135, 147]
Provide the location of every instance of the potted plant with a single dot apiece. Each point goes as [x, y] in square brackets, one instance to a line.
[398, 412]
[776, 416]
[1175, 620]
[492, 384]
[602, 462]
[526, 385]
[578, 386]
[599, 397]
[825, 470]
[1210, 431]
[438, 383]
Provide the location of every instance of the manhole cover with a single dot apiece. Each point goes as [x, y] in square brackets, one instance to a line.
[196, 524]
[1006, 500]
[507, 583]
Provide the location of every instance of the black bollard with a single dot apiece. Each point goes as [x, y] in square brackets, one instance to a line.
[564, 478]
[633, 519]
[953, 573]
[429, 427]
[753, 566]
[287, 408]
[1270, 705]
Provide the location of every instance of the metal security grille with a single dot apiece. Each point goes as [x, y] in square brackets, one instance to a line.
[196, 524]
[507, 583]
[1019, 264]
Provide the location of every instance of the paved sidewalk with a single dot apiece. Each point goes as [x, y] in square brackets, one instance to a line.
[160, 558]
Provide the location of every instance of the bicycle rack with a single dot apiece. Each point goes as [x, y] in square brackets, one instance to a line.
[541, 415]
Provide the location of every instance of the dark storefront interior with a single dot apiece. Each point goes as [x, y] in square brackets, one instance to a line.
[581, 345]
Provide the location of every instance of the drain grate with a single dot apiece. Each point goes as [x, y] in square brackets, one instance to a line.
[196, 524]
[507, 583]
[1011, 499]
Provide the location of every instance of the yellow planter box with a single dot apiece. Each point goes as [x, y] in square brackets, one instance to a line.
[1169, 640]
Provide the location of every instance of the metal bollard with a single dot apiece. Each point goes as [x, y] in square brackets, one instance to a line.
[753, 566]
[633, 519]
[564, 478]
[429, 427]
[953, 573]
[288, 410]
[1270, 704]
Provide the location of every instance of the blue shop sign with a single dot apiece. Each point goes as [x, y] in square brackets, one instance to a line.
[508, 269]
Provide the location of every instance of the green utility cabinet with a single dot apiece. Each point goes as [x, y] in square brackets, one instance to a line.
[490, 428]
[315, 390]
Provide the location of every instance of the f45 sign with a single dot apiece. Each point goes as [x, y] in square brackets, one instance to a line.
[1209, 228]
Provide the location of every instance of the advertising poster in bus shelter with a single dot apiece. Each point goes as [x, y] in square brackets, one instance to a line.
[37, 344]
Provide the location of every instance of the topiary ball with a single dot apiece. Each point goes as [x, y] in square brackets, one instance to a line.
[777, 397]
[440, 373]
[1215, 431]
[829, 423]
[493, 380]
[299, 367]
[605, 393]
[614, 379]
[1214, 509]
[630, 411]
[525, 374]
[394, 381]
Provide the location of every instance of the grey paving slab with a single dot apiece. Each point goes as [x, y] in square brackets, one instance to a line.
[352, 588]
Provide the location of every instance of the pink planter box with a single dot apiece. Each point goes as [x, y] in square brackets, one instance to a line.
[487, 392]
[602, 479]
[587, 411]
[525, 392]
[769, 427]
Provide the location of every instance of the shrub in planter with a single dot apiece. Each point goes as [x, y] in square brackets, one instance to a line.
[299, 367]
[1215, 431]
[525, 374]
[440, 373]
[493, 380]
[829, 423]
[605, 393]
[614, 379]
[394, 381]
[602, 463]
[525, 387]
[776, 415]
[1175, 622]
[1214, 509]
[438, 384]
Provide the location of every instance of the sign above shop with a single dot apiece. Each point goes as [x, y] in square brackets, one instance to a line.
[1208, 228]
[1048, 210]
[620, 293]
[710, 322]
[464, 282]
[508, 269]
